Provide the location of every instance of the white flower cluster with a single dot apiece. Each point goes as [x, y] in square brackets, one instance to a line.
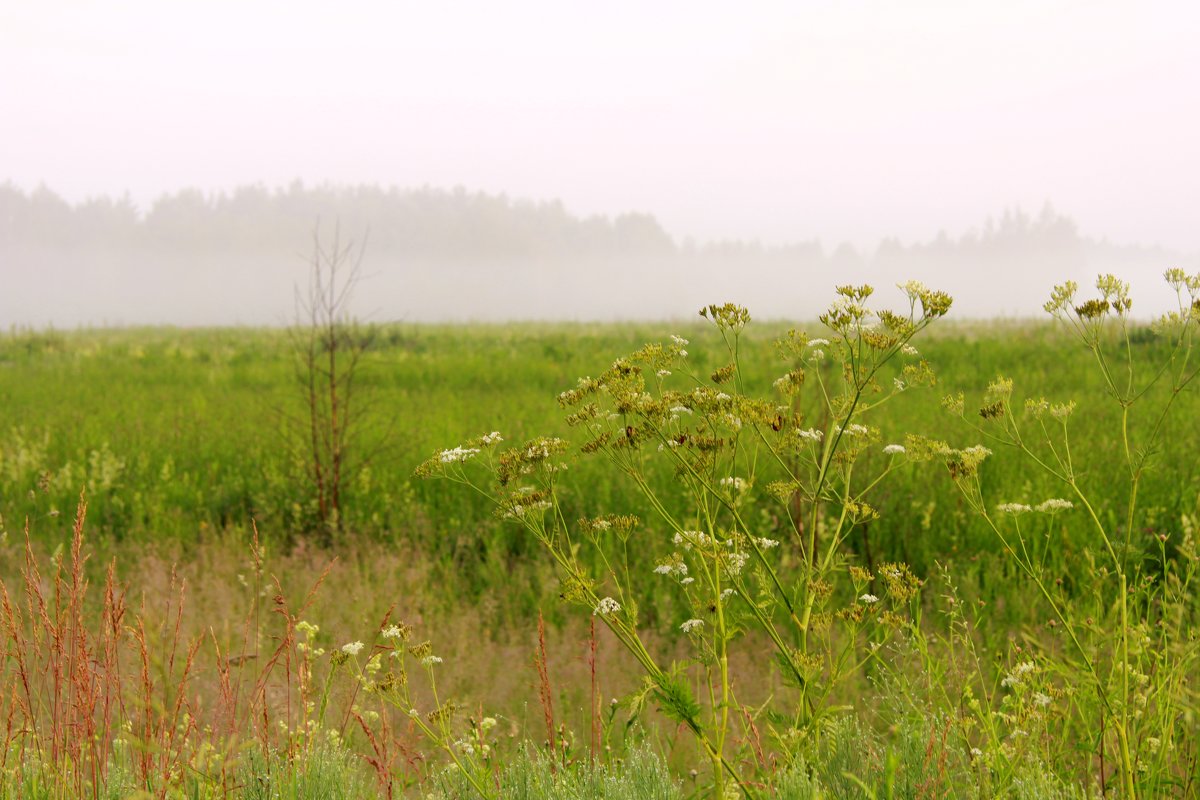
[676, 568]
[894, 450]
[457, 454]
[869, 598]
[1013, 508]
[909, 350]
[607, 606]
[1018, 674]
[429, 661]
[691, 625]
[854, 429]
[688, 539]
[767, 544]
[1054, 505]
[679, 340]
[492, 438]
[734, 483]
[818, 342]
[352, 649]
[812, 434]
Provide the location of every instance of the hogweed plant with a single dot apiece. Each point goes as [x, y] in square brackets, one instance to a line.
[1121, 678]
[808, 452]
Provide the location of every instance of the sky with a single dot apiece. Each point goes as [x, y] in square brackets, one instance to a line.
[842, 121]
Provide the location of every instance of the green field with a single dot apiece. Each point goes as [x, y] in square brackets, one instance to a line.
[183, 440]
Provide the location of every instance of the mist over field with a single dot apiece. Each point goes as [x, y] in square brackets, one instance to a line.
[431, 255]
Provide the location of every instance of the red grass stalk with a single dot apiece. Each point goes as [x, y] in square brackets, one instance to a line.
[545, 695]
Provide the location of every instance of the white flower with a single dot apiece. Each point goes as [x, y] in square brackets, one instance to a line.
[909, 350]
[662, 373]
[818, 342]
[492, 438]
[607, 606]
[679, 340]
[683, 353]
[691, 625]
[977, 450]
[1013, 508]
[429, 661]
[817, 355]
[686, 581]
[726, 593]
[912, 288]
[1055, 505]
[457, 454]
[1040, 699]
[812, 434]
[976, 752]
[735, 563]
[663, 569]
[391, 632]
[854, 429]
[767, 544]
[893, 450]
[899, 384]
[680, 410]
[352, 649]
[869, 598]
[736, 484]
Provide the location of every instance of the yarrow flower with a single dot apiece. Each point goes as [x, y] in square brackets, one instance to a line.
[691, 625]
[606, 606]
[352, 649]
[893, 450]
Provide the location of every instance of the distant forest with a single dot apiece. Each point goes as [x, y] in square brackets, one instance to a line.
[216, 258]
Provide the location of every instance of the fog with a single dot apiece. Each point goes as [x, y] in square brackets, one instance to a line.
[636, 160]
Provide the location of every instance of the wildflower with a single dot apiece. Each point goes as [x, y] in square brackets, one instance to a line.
[606, 606]
[430, 660]
[391, 632]
[818, 342]
[976, 752]
[735, 563]
[662, 373]
[492, 438]
[893, 450]
[869, 598]
[812, 434]
[854, 429]
[680, 410]
[1040, 699]
[909, 350]
[691, 625]
[899, 384]
[1013, 508]
[736, 484]
[679, 340]
[1054, 505]
[767, 544]
[686, 581]
[457, 454]
[352, 649]
[817, 355]
[726, 593]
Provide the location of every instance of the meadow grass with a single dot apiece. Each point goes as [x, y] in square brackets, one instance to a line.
[180, 440]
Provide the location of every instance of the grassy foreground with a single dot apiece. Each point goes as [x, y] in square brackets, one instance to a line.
[187, 657]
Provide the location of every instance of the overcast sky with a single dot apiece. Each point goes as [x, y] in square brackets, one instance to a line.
[779, 121]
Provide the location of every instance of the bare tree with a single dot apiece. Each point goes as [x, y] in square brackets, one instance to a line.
[329, 344]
